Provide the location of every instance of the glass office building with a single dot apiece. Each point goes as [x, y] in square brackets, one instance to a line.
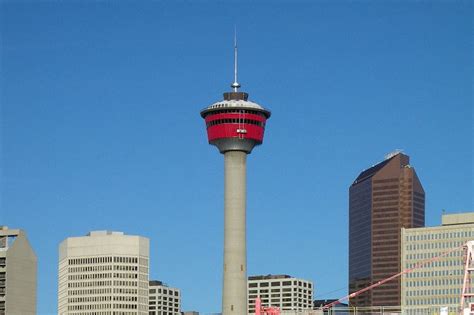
[382, 199]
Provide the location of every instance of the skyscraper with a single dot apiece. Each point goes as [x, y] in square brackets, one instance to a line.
[18, 265]
[382, 199]
[105, 273]
[235, 126]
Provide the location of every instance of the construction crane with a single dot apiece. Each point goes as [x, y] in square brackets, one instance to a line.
[262, 310]
[467, 291]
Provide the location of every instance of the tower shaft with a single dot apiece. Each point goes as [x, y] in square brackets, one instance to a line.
[234, 297]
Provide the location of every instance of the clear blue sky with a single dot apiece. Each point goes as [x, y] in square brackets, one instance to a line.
[100, 125]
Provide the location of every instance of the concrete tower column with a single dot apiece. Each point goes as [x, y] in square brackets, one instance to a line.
[234, 297]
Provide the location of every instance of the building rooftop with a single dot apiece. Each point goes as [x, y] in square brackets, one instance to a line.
[5, 231]
[104, 232]
[156, 282]
[371, 171]
[235, 103]
[457, 218]
[268, 277]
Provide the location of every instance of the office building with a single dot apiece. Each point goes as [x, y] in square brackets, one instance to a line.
[18, 267]
[438, 283]
[282, 291]
[103, 273]
[382, 199]
[163, 300]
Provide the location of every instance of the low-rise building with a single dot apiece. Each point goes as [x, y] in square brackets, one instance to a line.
[282, 291]
[163, 300]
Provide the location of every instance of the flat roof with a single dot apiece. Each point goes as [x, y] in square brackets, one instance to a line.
[269, 277]
[457, 218]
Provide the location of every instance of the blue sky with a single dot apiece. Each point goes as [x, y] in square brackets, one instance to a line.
[100, 125]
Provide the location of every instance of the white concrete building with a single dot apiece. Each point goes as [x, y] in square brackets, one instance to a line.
[439, 283]
[18, 265]
[281, 291]
[103, 273]
[163, 300]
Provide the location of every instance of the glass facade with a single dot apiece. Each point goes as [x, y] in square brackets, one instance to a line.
[382, 200]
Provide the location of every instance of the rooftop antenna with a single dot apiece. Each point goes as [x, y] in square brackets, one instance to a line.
[236, 84]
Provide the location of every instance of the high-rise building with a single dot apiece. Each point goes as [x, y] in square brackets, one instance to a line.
[18, 265]
[103, 273]
[282, 291]
[438, 283]
[235, 126]
[382, 199]
[163, 300]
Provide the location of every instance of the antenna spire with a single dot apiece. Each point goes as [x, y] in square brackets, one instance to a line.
[236, 84]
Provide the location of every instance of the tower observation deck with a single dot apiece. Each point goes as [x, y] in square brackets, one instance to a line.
[235, 123]
[235, 126]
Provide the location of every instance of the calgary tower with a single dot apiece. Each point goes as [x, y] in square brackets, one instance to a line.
[235, 126]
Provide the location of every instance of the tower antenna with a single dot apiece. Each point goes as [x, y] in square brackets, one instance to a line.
[236, 84]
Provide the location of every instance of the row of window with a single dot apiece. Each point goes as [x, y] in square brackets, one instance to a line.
[90, 291]
[164, 298]
[434, 282]
[101, 307]
[104, 283]
[163, 304]
[441, 263]
[433, 301]
[235, 121]
[388, 180]
[238, 111]
[431, 292]
[91, 268]
[165, 291]
[294, 290]
[90, 276]
[155, 311]
[102, 313]
[89, 284]
[104, 291]
[439, 236]
[279, 284]
[278, 298]
[103, 260]
[103, 298]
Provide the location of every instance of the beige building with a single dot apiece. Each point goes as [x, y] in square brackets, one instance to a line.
[17, 273]
[163, 300]
[439, 283]
[103, 273]
[281, 291]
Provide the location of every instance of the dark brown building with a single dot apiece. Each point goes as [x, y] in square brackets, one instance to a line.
[382, 200]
